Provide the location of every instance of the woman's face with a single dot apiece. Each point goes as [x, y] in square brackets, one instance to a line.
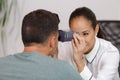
[85, 29]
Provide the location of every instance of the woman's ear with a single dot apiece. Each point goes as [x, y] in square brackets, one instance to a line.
[97, 29]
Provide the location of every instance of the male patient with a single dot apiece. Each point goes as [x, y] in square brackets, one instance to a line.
[40, 39]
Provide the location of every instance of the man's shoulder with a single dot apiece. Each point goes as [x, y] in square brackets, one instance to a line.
[66, 70]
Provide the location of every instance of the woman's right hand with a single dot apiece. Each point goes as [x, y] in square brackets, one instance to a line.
[79, 45]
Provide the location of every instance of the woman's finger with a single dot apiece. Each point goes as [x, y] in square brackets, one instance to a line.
[75, 40]
[73, 44]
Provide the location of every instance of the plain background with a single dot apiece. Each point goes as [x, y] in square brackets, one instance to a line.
[104, 9]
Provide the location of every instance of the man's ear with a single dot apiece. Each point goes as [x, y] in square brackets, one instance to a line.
[52, 41]
[97, 29]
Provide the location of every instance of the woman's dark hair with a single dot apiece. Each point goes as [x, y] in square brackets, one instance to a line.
[38, 25]
[88, 14]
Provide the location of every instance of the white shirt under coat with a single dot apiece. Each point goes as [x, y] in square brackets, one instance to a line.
[101, 63]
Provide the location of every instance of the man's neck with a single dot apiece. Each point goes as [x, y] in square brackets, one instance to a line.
[40, 49]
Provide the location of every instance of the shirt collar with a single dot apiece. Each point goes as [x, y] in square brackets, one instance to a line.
[92, 54]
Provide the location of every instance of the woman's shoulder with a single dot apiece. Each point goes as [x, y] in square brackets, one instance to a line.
[106, 45]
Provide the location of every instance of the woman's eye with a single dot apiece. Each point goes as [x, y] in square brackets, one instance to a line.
[85, 34]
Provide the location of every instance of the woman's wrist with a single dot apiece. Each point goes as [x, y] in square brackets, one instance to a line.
[80, 65]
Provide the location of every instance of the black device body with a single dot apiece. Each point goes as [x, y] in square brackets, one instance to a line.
[65, 36]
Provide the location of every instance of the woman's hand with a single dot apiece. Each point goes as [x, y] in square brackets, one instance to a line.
[79, 45]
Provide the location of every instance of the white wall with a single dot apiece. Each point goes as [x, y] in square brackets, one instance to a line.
[119, 13]
[104, 10]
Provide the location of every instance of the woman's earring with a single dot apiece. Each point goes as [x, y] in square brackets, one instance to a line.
[96, 35]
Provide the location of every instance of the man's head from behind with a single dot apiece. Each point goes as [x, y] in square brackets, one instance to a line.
[40, 29]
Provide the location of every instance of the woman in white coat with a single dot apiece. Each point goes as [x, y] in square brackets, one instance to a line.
[93, 57]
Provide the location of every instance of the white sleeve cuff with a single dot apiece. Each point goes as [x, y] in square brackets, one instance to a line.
[86, 74]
